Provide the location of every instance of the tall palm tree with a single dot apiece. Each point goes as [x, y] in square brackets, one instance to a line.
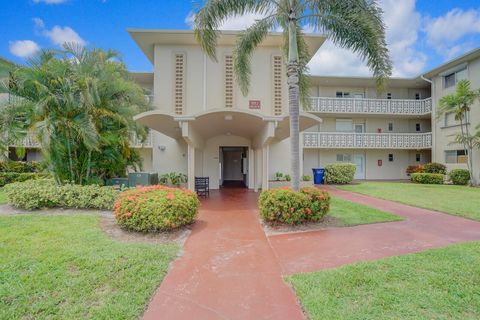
[459, 104]
[353, 24]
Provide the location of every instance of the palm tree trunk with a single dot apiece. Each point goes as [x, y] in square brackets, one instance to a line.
[469, 146]
[465, 148]
[294, 103]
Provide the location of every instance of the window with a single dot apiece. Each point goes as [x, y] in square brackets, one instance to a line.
[344, 125]
[451, 79]
[418, 127]
[340, 94]
[344, 157]
[418, 157]
[455, 156]
[389, 96]
[417, 96]
[390, 126]
[390, 157]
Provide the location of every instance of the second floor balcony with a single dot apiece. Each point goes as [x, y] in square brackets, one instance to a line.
[351, 140]
[405, 107]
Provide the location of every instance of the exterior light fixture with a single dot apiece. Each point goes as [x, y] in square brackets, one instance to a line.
[228, 117]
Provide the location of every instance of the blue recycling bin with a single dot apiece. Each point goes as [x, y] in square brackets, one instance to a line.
[318, 175]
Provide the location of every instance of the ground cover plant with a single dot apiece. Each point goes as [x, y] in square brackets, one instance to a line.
[156, 208]
[436, 284]
[65, 267]
[458, 200]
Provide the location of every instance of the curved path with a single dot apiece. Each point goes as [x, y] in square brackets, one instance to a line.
[231, 270]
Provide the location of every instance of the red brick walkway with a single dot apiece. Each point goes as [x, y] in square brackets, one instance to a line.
[230, 270]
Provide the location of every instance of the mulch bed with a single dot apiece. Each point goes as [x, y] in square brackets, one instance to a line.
[327, 222]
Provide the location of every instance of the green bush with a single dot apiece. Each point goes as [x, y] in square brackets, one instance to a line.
[45, 193]
[306, 178]
[434, 167]
[10, 177]
[156, 208]
[427, 178]
[339, 173]
[283, 205]
[460, 176]
[19, 166]
[414, 169]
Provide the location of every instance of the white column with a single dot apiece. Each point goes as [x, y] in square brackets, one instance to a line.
[265, 167]
[191, 167]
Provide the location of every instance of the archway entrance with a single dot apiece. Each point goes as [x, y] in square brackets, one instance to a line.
[234, 167]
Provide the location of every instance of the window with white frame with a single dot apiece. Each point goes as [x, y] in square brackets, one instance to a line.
[344, 157]
[456, 156]
[451, 79]
[344, 125]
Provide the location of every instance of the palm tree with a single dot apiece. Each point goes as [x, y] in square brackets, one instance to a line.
[353, 24]
[459, 104]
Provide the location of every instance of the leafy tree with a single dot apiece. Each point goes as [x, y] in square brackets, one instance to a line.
[353, 24]
[79, 104]
[459, 104]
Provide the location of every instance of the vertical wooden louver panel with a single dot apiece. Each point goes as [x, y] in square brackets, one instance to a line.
[179, 98]
[277, 85]
[229, 81]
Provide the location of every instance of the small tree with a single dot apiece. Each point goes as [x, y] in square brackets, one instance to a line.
[459, 104]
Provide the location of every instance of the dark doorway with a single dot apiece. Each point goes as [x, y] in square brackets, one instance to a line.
[234, 167]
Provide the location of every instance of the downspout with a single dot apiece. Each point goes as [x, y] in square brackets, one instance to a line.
[433, 123]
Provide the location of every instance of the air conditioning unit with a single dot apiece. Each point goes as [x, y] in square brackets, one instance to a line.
[118, 182]
[142, 179]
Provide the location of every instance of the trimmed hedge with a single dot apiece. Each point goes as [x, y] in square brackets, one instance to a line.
[156, 208]
[414, 169]
[11, 177]
[427, 178]
[459, 177]
[45, 193]
[339, 173]
[19, 166]
[283, 205]
[434, 167]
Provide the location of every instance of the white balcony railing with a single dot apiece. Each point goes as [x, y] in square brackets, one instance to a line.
[347, 140]
[31, 142]
[370, 106]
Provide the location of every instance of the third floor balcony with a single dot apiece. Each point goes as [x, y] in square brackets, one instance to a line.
[403, 107]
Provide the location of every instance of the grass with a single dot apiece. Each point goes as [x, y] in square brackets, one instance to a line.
[457, 200]
[436, 284]
[65, 267]
[351, 213]
[3, 197]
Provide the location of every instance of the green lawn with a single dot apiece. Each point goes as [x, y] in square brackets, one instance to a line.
[65, 267]
[457, 200]
[436, 284]
[3, 197]
[351, 213]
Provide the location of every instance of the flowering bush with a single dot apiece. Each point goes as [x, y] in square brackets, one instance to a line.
[156, 208]
[283, 205]
[414, 169]
[427, 178]
[45, 193]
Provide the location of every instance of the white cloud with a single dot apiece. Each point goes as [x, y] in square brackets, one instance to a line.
[445, 32]
[24, 48]
[403, 24]
[60, 35]
[50, 1]
[233, 23]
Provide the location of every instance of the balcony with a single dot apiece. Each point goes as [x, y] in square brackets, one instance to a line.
[31, 142]
[350, 140]
[406, 107]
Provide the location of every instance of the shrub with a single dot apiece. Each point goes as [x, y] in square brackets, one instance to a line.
[435, 167]
[306, 178]
[414, 169]
[339, 173]
[19, 166]
[173, 179]
[460, 176]
[283, 205]
[10, 177]
[45, 193]
[156, 208]
[287, 177]
[278, 176]
[427, 178]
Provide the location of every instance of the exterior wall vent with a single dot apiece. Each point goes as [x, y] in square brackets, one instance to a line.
[229, 83]
[179, 95]
[277, 84]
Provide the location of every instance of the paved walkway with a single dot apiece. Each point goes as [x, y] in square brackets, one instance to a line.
[230, 270]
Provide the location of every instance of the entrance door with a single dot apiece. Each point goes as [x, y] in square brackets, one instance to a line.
[359, 160]
[234, 166]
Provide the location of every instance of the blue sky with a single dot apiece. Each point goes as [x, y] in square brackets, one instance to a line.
[421, 34]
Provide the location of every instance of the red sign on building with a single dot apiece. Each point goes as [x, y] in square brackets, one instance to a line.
[254, 104]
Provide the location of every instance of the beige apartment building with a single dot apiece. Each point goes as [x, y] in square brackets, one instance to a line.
[201, 124]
